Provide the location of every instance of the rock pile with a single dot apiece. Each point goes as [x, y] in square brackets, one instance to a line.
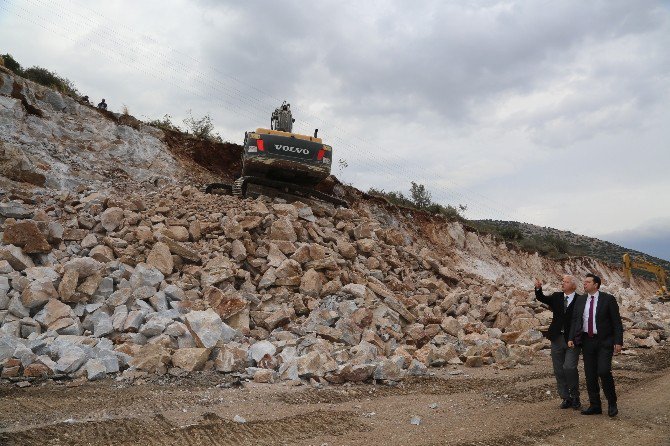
[95, 283]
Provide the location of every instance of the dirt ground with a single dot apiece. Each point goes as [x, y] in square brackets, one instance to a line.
[458, 406]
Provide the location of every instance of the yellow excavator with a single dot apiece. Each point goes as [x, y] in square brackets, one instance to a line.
[661, 276]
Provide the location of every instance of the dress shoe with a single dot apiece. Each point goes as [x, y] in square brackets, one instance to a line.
[576, 404]
[592, 410]
[612, 410]
[566, 404]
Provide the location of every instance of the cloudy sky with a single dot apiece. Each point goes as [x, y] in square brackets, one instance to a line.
[549, 112]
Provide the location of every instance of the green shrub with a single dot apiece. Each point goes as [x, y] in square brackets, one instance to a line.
[511, 234]
[50, 79]
[420, 199]
[202, 128]
[165, 124]
[41, 76]
[420, 196]
[12, 64]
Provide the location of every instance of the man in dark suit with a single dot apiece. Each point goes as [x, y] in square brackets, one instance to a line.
[564, 359]
[597, 327]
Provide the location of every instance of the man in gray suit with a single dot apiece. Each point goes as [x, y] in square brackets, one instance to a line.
[564, 359]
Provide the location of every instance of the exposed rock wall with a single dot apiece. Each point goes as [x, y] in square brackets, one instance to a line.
[51, 140]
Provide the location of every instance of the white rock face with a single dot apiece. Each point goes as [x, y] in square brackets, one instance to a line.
[70, 137]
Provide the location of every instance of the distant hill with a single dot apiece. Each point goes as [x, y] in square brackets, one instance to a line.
[560, 244]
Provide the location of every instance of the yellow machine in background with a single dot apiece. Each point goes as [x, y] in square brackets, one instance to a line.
[661, 276]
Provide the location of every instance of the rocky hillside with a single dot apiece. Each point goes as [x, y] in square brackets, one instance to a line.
[113, 261]
[562, 243]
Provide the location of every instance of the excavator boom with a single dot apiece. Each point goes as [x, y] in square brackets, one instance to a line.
[661, 276]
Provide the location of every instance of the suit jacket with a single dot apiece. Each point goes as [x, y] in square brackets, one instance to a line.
[562, 319]
[608, 320]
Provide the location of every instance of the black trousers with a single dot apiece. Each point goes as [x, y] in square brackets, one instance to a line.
[597, 354]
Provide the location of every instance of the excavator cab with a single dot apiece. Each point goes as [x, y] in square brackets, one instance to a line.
[282, 118]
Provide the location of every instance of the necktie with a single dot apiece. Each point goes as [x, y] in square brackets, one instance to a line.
[591, 318]
[565, 303]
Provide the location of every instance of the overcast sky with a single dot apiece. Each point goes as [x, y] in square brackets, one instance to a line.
[550, 112]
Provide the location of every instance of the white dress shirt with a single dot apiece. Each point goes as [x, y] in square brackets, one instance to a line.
[585, 318]
[570, 297]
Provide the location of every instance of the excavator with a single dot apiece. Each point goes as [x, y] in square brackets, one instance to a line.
[661, 276]
[279, 163]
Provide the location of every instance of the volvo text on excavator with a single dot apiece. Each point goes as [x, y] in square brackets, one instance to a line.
[278, 162]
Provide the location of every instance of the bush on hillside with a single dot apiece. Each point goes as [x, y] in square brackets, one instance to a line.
[165, 124]
[10, 63]
[41, 76]
[202, 128]
[420, 198]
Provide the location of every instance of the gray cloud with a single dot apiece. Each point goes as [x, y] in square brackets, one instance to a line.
[491, 104]
[652, 238]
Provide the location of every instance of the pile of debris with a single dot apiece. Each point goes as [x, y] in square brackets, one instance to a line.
[178, 281]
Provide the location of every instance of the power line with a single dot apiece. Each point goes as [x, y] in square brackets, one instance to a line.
[116, 45]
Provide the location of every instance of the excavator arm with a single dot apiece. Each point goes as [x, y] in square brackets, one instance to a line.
[661, 276]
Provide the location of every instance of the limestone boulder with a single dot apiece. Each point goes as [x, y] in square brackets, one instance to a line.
[311, 283]
[71, 358]
[28, 236]
[84, 266]
[152, 358]
[146, 275]
[231, 359]
[259, 349]
[111, 218]
[282, 229]
[206, 327]
[190, 359]
[225, 304]
[16, 258]
[160, 258]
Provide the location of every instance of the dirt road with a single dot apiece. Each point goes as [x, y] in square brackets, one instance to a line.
[458, 406]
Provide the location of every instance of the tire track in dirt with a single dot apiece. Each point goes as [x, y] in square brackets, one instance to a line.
[428, 386]
[212, 430]
[527, 438]
[92, 402]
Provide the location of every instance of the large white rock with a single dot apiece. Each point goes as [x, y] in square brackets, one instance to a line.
[206, 327]
[260, 349]
[146, 275]
[95, 369]
[85, 266]
[38, 292]
[71, 359]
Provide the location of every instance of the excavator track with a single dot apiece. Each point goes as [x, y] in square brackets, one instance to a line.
[271, 187]
[219, 189]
